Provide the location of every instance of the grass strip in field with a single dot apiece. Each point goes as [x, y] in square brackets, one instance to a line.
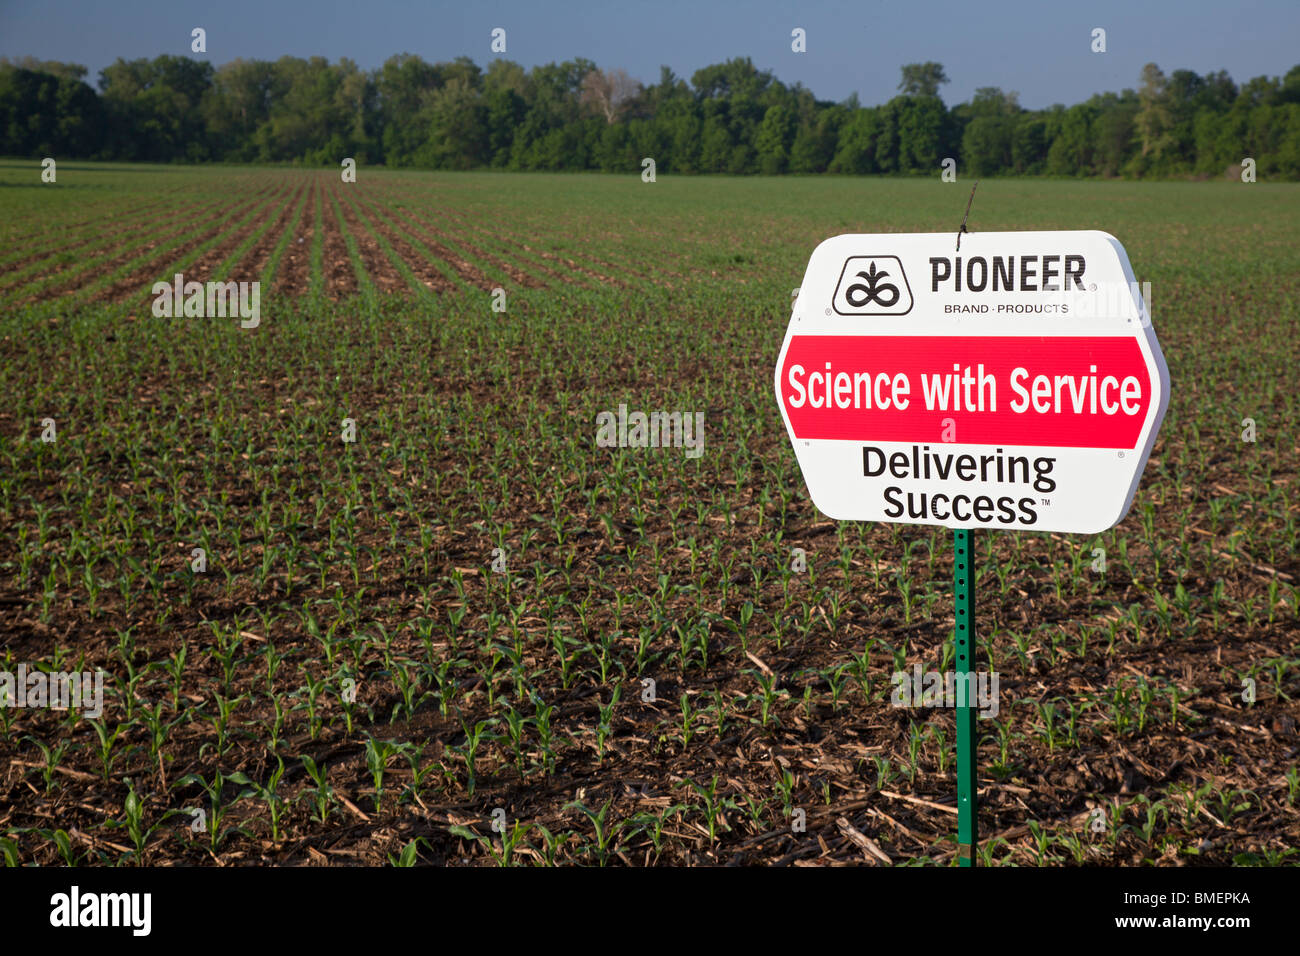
[267, 265]
[115, 264]
[50, 241]
[506, 248]
[420, 273]
[205, 261]
[473, 270]
[270, 231]
[342, 272]
[71, 280]
[304, 272]
[495, 254]
[380, 273]
[132, 283]
[433, 267]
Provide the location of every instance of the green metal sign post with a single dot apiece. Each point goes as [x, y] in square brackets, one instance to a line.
[963, 571]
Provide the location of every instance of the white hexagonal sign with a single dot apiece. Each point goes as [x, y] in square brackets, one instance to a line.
[1016, 383]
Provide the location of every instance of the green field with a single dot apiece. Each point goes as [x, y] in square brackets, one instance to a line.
[372, 561]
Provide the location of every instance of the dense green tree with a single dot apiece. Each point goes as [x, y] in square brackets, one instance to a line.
[986, 144]
[153, 108]
[923, 133]
[1155, 118]
[989, 134]
[855, 150]
[715, 144]
[773, 140]
[238, 103]
[1029, 144]
[886, 154]
[679, 119]
[456, 135]
[56, 68]
[43, 114]
[814, 145]
[1071, 151]
[1289, 91]
[731, 117]
[922, 79]
[1113, 131]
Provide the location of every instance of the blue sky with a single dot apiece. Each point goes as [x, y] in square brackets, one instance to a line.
[1042, 49]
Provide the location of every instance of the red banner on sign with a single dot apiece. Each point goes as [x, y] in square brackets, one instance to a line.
[1048, 391]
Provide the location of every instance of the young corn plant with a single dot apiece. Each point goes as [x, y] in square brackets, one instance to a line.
[53, 758]
[605, 725]
[152, 718]
[542, 720]
[410, 853]
[176, 670]
[605, 833]
[420, 773]
[688, 718]
[314, 688]
[767, 702]
[469, 750]
[652, 824]
[269, 794]
[505, 848]
[516, 723]
[322, 794]
[221, 721]
[133, 822]
[219, 807]
[379, 753]
[107, 743]
[714, 807]
[785, 787]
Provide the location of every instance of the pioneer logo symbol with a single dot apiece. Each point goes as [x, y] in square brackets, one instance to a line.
[873, 285]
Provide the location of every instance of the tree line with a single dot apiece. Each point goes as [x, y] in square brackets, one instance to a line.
[730, 118]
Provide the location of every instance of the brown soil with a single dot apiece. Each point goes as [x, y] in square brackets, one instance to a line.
[79, 280]
[383, 275]
[204, 268]
[250, 266]
[572, 264]
[466, 270]
[125, 226]
[292, 276]
[340, 277]
[517, 274]
[523, 278]
[428, 274]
